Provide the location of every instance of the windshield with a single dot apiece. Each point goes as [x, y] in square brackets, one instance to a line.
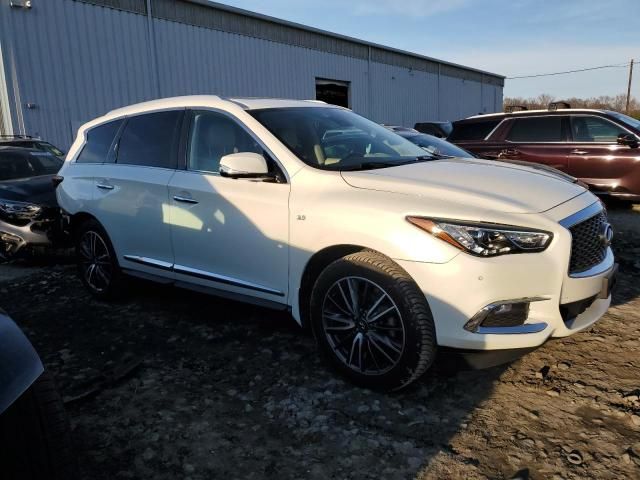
[439, 147]
[14, 164]
[632, 122]
[337, 139]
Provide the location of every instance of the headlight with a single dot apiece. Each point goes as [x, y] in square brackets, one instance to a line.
[19, 210]
[485, 240]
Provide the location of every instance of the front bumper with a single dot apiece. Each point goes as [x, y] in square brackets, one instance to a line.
[40, 232]
[457, 290]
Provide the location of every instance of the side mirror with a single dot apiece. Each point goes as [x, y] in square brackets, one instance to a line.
[628, 139]
[244, 165]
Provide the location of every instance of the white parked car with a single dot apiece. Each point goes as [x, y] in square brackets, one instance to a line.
[383, 250]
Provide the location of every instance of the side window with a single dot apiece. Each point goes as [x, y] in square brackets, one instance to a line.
[214, 135]
[99, 140]
[472, 130]
[536, 129]
[594, 129]
[151, 139]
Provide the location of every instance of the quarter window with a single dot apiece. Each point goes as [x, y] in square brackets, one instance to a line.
[213, 136]
[99, 140]
[594, 129]
[537, 129]
[151, 140]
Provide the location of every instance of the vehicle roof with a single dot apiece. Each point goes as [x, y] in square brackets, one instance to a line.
[12, 139]
[524, 113]
[214, 101]
[9, 148]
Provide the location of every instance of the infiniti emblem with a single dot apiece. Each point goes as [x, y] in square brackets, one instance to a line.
[606, 234]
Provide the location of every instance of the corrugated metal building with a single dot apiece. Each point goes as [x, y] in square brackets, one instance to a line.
[67, 61]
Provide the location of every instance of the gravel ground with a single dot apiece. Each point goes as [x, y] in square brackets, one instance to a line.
[172, 384]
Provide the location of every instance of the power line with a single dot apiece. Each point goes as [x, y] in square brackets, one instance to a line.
[570, 71]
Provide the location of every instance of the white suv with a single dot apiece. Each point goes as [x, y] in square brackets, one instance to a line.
[384, 250]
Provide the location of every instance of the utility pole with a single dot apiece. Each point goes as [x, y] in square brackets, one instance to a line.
[629, 86]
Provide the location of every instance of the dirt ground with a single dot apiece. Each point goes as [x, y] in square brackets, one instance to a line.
[172, 384]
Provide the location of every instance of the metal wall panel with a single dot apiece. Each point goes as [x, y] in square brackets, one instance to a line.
[198, 60]
[74, 60]
[224, 20]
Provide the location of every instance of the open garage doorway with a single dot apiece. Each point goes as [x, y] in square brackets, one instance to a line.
[335, 92]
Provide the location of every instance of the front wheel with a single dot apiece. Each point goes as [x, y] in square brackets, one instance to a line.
[372, 322]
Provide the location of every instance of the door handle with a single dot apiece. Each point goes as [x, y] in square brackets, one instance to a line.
[179, 198]
[508, 152]
[577, 151]
[104, 186]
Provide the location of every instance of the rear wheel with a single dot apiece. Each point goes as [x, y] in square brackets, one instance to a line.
[97, 263]
[35, 438]
[372, 322]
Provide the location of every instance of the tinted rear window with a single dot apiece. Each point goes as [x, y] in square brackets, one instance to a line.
[99, 141]
[536, 129]
[14, 165]
[150, 140]
[473, 130]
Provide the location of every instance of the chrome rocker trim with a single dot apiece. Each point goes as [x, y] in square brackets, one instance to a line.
[194, 272]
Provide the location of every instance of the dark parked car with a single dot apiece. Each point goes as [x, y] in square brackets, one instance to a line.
[26, 141]
[430, 143]
[35, 438]
[437, 129]
[599, 147]
[29, 213]
[440, 147]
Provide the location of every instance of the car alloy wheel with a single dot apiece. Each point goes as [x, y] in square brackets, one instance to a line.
[363, 326]
[95, 259]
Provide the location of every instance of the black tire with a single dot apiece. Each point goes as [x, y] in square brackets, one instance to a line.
[35, 438]
[410, 319]
[114, 285]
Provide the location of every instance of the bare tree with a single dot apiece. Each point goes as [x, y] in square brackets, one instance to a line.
[603, 102]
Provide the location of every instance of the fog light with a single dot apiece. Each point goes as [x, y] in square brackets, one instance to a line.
[501, 315]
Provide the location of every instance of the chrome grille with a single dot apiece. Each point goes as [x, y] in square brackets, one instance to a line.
[587, 247]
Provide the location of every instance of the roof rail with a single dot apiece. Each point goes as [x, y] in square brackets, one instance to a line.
[16, 136]
[515, 108]
[557, 105]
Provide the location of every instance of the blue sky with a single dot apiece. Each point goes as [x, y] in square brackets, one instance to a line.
[509, 37]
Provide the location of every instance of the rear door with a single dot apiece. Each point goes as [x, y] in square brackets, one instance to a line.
[480, 137]
[537, 139]
[131, 194]
[595, 156]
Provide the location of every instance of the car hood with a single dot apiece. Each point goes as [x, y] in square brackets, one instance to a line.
[39, 190]
[486, 184]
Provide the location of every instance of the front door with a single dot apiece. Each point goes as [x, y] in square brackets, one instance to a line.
[230, 234]
[595, 156]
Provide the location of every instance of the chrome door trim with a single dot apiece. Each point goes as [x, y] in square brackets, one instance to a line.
[214, 277]
[149, 262]
[196, 273]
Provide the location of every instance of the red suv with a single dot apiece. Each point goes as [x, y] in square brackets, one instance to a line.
[599, 147]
